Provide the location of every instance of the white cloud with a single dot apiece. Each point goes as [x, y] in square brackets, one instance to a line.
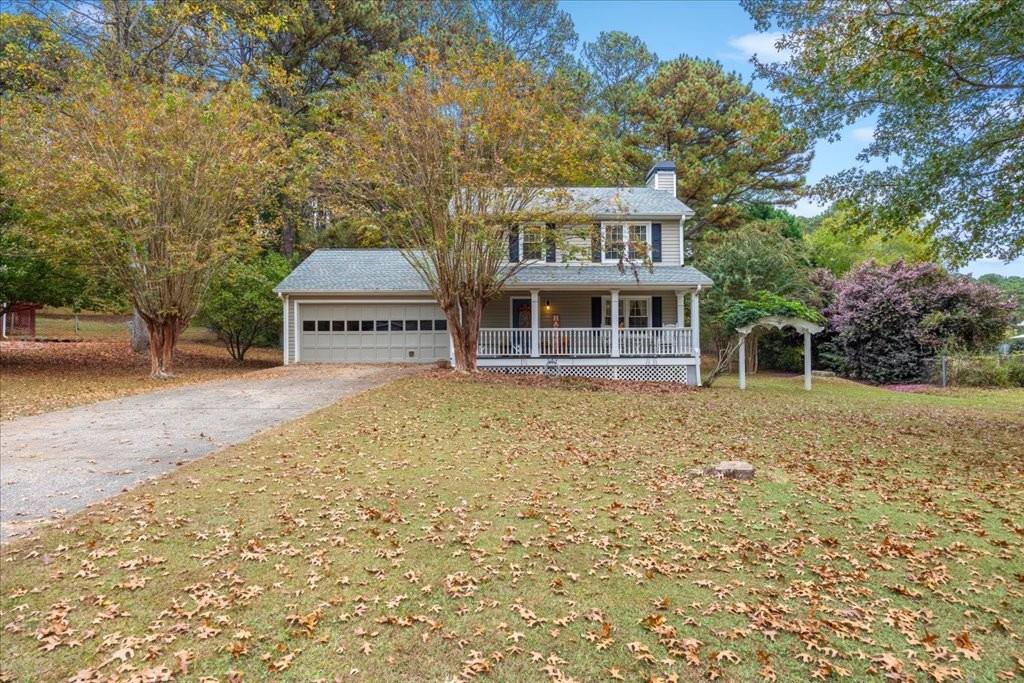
[865, 134]
[761, 45]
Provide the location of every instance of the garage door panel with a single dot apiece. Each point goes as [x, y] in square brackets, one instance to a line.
[371, 333]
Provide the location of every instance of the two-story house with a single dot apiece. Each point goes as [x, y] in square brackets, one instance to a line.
[569, 310]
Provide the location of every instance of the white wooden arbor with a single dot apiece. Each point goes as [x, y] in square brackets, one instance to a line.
[779, 322]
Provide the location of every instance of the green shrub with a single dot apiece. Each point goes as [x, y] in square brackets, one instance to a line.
[978, 372]
[1015, 370]
[241, 307]
[780, 351]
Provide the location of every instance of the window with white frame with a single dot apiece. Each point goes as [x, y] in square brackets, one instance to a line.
[531, 244]
[633, 239]
[634, 311]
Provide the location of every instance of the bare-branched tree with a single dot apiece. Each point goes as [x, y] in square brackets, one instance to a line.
[451, 155]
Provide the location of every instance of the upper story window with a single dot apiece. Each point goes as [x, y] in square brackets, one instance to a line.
[631, 239]
[531, 244]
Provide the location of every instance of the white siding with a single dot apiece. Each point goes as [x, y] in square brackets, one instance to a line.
[663, 180]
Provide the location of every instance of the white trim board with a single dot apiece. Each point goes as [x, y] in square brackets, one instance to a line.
[570, 361]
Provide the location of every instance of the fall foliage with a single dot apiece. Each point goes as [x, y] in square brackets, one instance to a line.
[157, 185]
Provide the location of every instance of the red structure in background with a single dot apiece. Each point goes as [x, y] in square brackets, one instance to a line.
[19, 320]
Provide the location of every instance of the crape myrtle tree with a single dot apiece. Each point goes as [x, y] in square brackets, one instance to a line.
[449, 154]
[155, 183]
[945, 82]
[885, 321]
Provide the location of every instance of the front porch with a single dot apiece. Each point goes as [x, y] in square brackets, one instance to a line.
[546, 333]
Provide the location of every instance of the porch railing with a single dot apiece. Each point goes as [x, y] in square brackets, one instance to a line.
[506, 342]
[503, 342]
[656, 341]
[575, 341]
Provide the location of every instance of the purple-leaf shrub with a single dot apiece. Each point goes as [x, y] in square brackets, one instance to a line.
[886, 320]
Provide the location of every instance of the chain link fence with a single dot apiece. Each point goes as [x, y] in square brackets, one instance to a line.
[962, 370]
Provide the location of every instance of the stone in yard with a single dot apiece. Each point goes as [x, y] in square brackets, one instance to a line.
[733, 469]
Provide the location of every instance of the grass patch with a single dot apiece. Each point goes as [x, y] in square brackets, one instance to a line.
[37, 377]
[442, 528]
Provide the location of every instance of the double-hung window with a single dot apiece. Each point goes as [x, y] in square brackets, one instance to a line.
[531, 244]
[631, 239]
[634, 312]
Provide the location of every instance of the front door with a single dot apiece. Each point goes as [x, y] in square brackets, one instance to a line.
[521, 320]
[521, 314]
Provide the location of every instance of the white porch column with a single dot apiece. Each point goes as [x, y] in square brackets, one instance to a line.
[615, 323]
[743, 362]
[695, 328]
[535, 323]
[807, 360]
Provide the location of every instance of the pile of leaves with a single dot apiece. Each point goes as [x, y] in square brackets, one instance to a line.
[37, 377]
[461, 530]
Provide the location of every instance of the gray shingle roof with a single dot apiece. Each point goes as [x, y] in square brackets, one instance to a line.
[386, 271]
[353, 270]
[603, 202]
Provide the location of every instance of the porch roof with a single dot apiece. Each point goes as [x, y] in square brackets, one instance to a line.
[385, 271]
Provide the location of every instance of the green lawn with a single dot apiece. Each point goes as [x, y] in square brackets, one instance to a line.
[442, 528]
[60, 323]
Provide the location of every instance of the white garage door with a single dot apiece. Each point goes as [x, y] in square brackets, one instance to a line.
[372, 333]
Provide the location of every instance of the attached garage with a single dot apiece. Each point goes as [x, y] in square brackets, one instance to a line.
[371, 333]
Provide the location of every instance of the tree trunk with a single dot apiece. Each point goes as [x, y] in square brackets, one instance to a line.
[465, 331]
[287, 235]
[139, 332]
[163, 337]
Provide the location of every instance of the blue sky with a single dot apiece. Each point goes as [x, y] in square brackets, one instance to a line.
[722, 30]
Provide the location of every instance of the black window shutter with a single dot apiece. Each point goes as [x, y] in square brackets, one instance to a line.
[596, 311]
[550, 255]
[513, 247]
[595, 244]
[655, 311]
[656, 242]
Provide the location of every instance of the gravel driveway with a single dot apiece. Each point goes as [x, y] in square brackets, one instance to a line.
[59, 462]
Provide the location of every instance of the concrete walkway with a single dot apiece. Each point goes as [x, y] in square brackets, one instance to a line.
[59, 462]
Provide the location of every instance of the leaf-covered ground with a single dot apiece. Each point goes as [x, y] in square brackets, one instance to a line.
[444, 529]
[36, 377]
